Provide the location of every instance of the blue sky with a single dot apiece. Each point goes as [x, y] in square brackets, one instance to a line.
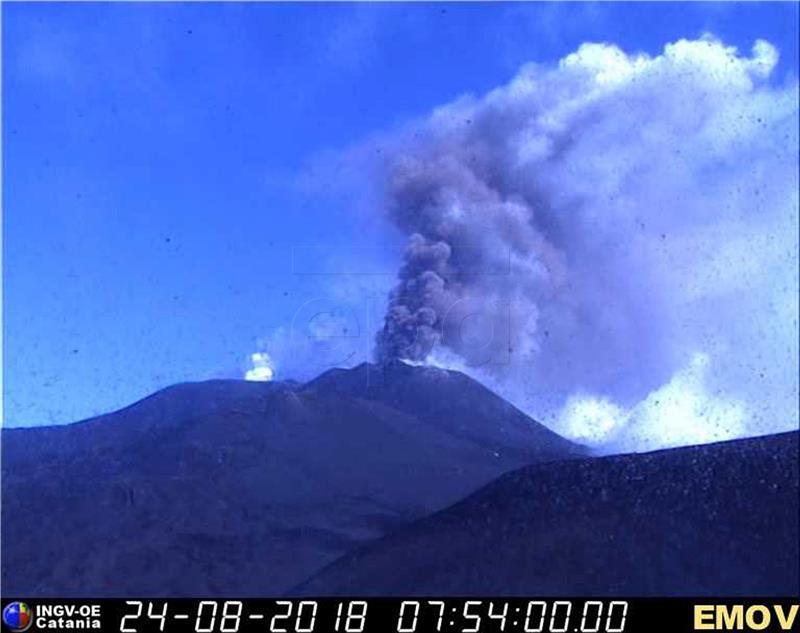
[156, 160]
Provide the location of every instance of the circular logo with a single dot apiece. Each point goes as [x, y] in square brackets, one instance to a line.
[18, 616]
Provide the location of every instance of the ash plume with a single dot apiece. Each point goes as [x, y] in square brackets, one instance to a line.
[609, 242]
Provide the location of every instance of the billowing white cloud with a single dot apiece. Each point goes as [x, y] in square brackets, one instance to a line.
[262, 369]
[681, 412]
[624, 229]
[324, 333]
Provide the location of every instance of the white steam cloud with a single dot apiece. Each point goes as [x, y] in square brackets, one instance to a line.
[610, 242]
[262, 369]
[324, 333]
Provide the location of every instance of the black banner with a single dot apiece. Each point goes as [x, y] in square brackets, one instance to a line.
[397, 615]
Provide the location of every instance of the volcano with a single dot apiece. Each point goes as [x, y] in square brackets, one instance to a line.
[241, 488]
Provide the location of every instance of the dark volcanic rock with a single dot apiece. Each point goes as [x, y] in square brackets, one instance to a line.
[236, 488]
[719, 519]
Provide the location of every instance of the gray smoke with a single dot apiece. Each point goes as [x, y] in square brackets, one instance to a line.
[610, 242]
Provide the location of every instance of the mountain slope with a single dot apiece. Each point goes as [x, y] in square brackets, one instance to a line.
[235, 488]
[448, 400]
[718, 519]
